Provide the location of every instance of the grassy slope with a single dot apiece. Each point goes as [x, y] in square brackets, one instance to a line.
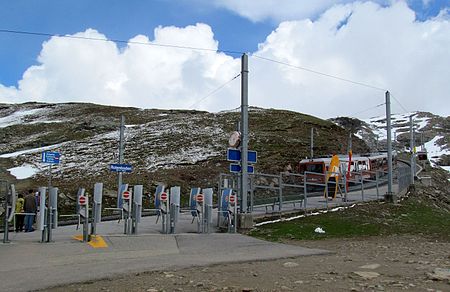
[417, 214]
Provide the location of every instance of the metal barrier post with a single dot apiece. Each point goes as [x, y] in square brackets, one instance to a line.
[42, 213]
[83, 212]
[175, 193]
[208, 201]
[164, 210]
[97, 207]
[127, 208]
[138, 190]
[8, 209]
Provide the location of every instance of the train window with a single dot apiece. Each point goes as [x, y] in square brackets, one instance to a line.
[422, 156]
[317, 168]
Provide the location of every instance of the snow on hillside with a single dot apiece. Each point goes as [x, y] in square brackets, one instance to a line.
[399, 123]
[148, 146]
[434, 150]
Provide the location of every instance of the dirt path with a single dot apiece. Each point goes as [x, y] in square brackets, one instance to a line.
[392, 263]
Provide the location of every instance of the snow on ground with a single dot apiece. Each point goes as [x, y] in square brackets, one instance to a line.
[24, 171]
[435, 150]
[17, 117]
[398, 122]
[28, 151]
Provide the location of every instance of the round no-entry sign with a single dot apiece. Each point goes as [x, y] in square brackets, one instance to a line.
[163, 197]
[232, 199]
[199, 198]
[126, 195]
[82, 200]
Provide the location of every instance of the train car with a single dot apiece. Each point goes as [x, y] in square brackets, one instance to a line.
[360, 165]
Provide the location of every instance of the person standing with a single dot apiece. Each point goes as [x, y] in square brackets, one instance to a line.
[19, 217]
[30, 209]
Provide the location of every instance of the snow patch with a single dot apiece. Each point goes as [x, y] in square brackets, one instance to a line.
[17, 118]
[24, 171]
[29, 151]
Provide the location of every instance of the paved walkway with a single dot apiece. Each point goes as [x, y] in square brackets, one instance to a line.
[26, 264]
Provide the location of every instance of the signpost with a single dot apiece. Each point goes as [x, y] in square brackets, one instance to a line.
[237, 168]
[120, 167]
[51, 157]
[164, 197]
[235, 155]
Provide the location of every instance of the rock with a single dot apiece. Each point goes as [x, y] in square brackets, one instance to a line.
[151, 290]
[298, 282]
[247, 289]
[370, 266]
[366, 275]
[285, 288]
[169, 275]
[199, 284]
[439, 274]
[290, 265]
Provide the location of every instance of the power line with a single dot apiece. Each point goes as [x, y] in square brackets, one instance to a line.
[404, 109]
[319, 73]
[214, 91]
[118, 41]
[368, 109]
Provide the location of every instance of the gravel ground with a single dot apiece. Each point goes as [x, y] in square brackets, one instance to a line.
[393, 263]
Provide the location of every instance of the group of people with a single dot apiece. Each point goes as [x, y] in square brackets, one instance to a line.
[26, 209]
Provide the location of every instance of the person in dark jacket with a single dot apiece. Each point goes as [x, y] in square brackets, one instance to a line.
[29, 208]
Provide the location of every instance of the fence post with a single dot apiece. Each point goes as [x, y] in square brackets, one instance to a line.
[280, 192]
[305, 192]
[362, 186]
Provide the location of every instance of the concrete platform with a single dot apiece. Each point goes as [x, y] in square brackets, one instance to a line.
[26, 264]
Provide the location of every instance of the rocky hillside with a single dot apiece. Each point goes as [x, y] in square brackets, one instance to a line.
[177, 147]
[431, 130]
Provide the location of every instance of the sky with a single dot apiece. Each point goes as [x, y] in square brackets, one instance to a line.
[324, 58]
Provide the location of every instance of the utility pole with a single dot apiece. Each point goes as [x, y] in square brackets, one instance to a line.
[312, 143]
[121, 148]
[389, 196]
[411, 144]
[244, 132]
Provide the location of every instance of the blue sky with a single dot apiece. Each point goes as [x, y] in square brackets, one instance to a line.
[235, 25]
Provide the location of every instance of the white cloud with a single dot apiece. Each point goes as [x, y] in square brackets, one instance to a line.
[381, 46]
[281, 10]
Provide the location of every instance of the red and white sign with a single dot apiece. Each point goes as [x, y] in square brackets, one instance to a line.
[232, 199]
[82, 200]
[163, 197]
[199, 198]
[126, 195]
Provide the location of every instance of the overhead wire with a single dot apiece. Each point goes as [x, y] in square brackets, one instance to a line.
[404, 109]
[367, 109]
[214, 91]
[118, 41]
[233, 52]
[319, 73]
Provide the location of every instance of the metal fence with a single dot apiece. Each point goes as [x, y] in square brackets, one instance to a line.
[269, 193]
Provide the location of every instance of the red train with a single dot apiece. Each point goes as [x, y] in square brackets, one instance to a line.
[365, 165]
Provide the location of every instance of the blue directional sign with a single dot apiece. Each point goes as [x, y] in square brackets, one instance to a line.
[235, 155]
[51, 157]
[121, 167]
[237, 168]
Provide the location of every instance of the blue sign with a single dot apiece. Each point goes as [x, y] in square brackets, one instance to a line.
[235, 155]
[51, 157]
[121, 167]
[237, 168]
